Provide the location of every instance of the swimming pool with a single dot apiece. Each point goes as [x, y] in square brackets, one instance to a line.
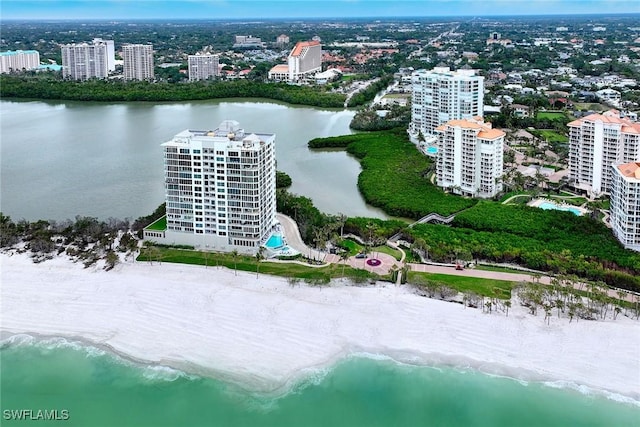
[549, 205]
[275, 241]
[432, 151]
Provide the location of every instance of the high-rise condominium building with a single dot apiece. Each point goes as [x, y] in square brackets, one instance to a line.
[18, 60]
[220, 189]
[469, 160]
[440, 95]
[625, 204]
[81, 61]
[305, 60]
[138, 61]
[203, 67]
[596, 142]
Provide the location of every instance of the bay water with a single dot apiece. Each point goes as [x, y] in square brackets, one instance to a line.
[96, 388]
[60, 159]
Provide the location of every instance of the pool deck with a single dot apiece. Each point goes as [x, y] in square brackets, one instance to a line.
[536, 203]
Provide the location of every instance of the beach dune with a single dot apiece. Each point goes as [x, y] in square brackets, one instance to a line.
[264, 334]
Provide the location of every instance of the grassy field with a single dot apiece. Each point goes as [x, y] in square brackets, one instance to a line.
[551, 115]
[159, 225]
[550, 135]
[486, 287]
[247, 263]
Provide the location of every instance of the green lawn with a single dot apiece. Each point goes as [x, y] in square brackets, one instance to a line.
[551, 115]
[550, 135]
[159, 225]
[486, 287]
[248, 263]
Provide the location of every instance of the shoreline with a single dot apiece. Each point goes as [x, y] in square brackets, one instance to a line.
[266, 336]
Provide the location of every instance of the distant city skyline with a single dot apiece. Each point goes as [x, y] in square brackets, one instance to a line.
[288, 9]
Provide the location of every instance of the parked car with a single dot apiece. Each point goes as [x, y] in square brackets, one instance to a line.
[361, 255]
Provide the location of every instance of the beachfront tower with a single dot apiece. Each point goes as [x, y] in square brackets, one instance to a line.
[220, 189]
[596, 142]
[625, 204]
[440, 95]
[470, 157]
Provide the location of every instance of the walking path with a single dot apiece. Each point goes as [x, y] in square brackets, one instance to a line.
[293, 239]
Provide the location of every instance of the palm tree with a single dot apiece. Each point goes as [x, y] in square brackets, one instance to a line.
[341, 220]
[259, 257]
[344, 256]
[234, 254]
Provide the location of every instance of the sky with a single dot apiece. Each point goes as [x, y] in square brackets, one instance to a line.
[269, 9]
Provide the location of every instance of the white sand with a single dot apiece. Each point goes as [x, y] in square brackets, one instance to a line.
[264, 333]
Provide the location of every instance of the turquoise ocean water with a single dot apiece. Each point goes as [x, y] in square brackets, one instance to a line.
[100, 389]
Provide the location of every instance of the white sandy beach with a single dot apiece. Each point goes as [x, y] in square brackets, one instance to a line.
[264, 333]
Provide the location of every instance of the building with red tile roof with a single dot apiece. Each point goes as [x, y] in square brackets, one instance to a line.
[470, 157]
[305, 60]
[596, 142]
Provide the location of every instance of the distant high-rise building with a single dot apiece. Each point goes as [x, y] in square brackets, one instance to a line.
[111, 53]
[282, 39]
[81, 61]
[440, 95]
[625, 204]
[470, 157]
[305, 60]
[248, 42]
[220, 189]
[18, 60]
[138, 61]
[203, 67]
[596, 142]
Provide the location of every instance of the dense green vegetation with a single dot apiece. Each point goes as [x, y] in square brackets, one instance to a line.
[368, 119]
[140, 223]
[394, 179]
[282, 180]
[45, 86]
[394, 174]
[370, 92]
[85, 239]
[544, 240]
